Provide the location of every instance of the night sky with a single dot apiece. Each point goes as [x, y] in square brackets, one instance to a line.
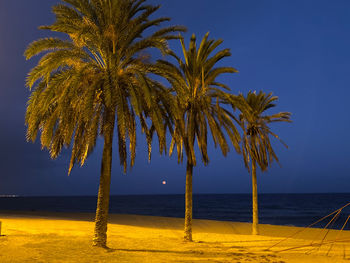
[299, 50]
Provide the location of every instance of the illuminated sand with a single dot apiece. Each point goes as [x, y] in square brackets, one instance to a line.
[62, 237]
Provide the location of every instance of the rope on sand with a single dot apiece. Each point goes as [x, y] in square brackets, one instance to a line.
[317, 245]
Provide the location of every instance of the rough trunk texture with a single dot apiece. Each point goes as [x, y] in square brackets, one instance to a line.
[100, 237]
[188, 203]
[255, 226]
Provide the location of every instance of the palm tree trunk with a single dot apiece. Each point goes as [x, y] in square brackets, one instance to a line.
[255, 226]
[100, 237]
[188, 203]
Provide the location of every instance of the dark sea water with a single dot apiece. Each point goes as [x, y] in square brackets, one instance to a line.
[278, 209]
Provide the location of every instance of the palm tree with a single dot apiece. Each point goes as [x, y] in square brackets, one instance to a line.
[256, 146]
[95, 77]
[197, 105]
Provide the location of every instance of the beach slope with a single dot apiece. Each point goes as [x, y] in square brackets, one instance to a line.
[64, 237]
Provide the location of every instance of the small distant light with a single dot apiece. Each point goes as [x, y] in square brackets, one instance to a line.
[164, 182]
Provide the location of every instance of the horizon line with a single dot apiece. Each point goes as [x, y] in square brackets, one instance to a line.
[266, 193]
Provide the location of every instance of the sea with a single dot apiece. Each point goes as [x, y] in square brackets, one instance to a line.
[278, 209]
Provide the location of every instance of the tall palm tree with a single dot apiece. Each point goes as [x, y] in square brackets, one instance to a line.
[256, 145]
[95, 77]
[197, 105]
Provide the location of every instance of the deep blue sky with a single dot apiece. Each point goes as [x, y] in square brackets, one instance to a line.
[299, 50]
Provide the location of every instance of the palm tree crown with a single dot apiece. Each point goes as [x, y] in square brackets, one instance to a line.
[199, 98]
[79, 82]
[256, 143]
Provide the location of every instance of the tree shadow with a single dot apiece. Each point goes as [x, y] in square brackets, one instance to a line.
[154, 251]
[207, 255]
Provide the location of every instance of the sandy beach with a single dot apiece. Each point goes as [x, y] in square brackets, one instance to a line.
[66, 237]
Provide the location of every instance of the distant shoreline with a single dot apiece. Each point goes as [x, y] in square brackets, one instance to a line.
[275, 209]
[163, 222]
[177, 194]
